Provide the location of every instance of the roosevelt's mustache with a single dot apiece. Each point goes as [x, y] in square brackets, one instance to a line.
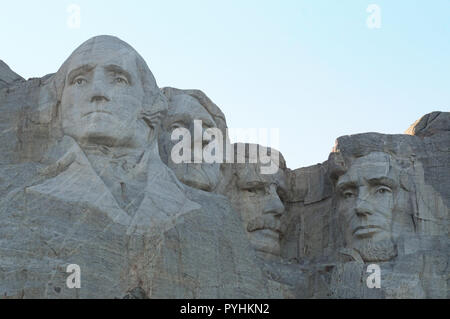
[265, 222]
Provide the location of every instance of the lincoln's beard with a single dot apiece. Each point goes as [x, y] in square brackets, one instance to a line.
[370, 251]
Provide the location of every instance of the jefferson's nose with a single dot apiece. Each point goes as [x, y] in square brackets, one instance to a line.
[274, 205]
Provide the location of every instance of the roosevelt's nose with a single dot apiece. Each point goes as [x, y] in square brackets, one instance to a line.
[274, 205]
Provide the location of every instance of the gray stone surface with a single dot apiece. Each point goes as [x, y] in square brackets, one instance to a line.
[430, 124]
[87, 178]
[82, 183]
[8, 76]
[409, 197]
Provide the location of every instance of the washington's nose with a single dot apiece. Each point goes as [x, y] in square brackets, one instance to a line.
[274, 205]
[99, 88]
[99, 98]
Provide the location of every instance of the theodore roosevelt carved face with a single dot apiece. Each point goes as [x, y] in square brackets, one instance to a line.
[257, 197]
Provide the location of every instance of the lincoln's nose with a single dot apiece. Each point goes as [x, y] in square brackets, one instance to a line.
[363, 209]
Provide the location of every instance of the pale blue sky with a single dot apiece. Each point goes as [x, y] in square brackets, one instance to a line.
[311, 68]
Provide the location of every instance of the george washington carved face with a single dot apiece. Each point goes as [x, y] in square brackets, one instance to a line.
[103, 95]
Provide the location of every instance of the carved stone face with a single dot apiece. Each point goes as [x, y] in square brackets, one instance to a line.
[103, 97]
[183, 110]
[257, 198]
[367, 195]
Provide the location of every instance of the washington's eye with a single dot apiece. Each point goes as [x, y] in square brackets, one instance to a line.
[383, 190]
[121, 80]
[79, 81]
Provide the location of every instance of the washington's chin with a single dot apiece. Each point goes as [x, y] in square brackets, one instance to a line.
[266, 242]
[108, 138]
[100, 138]
[102, 129]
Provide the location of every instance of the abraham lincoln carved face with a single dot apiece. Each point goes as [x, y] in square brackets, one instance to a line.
[369, 196]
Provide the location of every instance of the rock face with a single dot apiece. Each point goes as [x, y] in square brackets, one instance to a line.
[379, 199]
[89, 177]
[7, 76]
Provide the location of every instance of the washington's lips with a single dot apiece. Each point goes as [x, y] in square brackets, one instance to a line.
[264, 222]
[366, 230]
[97, 111]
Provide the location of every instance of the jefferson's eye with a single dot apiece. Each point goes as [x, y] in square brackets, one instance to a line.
[383, 190]
[348, 194]
[177, 125]
[254, 191]
[121, 80]
[206, 126]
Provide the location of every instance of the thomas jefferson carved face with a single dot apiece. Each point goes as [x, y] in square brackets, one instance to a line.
[103, 97]
[367, 197]
[183, 111]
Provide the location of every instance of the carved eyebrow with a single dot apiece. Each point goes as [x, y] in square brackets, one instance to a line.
[117, 69]
[177, 118]
[384, 180]
[186, 119]
[252, 184]
[78, 71]
[345, 185]
[208, 122]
